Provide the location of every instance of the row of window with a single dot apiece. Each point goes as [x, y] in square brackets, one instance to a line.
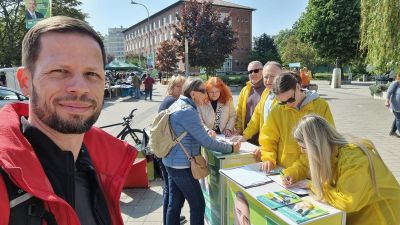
[149, 27]
[138, 44]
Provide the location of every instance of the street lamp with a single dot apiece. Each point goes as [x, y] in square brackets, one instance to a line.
[148, 21]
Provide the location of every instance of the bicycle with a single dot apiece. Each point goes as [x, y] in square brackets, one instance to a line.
[135, 137]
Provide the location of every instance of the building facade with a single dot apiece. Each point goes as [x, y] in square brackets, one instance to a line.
[114, 43]
[145, 37]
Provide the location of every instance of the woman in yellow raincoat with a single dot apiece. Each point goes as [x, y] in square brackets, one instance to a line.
[349, 174]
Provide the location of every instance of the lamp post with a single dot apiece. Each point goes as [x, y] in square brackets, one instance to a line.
[148, 21]
[186, 57]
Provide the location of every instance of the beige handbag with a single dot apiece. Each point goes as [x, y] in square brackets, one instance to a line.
[198, 164]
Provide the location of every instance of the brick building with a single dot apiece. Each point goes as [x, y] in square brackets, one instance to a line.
[145, 37]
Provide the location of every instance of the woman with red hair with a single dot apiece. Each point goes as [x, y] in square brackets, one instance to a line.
[218, 113]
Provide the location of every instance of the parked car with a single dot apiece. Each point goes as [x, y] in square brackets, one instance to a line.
[8, 95]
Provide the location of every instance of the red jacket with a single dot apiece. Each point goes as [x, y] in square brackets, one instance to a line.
[111, 159]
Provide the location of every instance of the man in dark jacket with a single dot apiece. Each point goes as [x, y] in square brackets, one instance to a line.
[49, 151]
[148, 86]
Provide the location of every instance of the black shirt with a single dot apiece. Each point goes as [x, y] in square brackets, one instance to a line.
[75, 182]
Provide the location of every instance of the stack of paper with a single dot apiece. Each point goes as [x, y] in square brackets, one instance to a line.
[247, 176]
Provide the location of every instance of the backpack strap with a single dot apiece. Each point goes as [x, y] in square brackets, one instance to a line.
[25, 208]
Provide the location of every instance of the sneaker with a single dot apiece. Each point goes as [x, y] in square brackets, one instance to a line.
[393, 133]
[182, 218]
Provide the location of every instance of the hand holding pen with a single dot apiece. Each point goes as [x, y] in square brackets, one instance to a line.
[286, 180]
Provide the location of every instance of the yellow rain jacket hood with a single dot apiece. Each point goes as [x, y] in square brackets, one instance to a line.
[276, 138]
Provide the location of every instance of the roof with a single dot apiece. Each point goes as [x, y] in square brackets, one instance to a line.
[215, 2]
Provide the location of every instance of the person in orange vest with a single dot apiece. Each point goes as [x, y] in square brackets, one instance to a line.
[305, 78]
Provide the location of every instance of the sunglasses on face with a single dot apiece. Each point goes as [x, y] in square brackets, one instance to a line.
[255, 71]
[290, 100]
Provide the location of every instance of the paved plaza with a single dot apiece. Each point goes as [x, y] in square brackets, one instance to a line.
[354, 110]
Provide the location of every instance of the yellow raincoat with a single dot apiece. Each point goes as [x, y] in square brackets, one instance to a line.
[241, 107]
[276, 137]
[352, 190]
[257, 119]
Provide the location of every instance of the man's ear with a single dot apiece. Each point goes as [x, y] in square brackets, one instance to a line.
[23, 77]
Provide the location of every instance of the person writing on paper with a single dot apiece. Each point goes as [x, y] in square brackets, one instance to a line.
[218, 113]
[241, 209]
[182, 184]
[347, 173]
[278, 146]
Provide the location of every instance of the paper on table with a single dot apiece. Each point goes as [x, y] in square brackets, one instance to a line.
[299, 191]
[245, 147]
[247, 176]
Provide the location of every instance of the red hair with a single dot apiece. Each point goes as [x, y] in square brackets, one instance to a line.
[225, 92]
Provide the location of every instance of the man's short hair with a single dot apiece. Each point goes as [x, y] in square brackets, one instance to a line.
[58, 24]
[257, 63]
[275, 63]
[285, 81]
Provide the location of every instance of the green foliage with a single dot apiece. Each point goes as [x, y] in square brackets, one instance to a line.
[331, 28]
[380, 37]
[12, 26]
[378, 88]
[235, 80]
[264, 50]
[167, 59]
[211, 40]
[136, 60]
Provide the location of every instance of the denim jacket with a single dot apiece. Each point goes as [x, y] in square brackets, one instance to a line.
[187, 119]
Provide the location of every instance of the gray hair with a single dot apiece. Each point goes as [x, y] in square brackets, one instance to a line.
[256, 63]
[274, 63]
[191, 84]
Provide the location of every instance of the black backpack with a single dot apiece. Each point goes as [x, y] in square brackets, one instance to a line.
[25, 209]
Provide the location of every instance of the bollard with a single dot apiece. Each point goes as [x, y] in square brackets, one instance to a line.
[336, 79]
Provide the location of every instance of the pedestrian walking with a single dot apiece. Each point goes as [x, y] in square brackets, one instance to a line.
[148, 86]
[393, 103]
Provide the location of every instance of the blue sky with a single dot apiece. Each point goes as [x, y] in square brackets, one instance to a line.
[270, 16]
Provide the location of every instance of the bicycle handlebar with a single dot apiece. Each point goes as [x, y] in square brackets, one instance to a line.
[126, 119]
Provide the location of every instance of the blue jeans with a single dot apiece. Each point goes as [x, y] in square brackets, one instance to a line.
[183, 186]
[136, 92]
[149, 92]
[396, 122]
[165, 188]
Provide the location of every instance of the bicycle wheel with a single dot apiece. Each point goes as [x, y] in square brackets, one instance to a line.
[134, 137]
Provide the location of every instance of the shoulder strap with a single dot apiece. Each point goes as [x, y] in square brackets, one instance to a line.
[25, 208]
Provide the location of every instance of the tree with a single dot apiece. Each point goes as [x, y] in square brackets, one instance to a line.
[264, 49]
[332, 28]
[167, 56]
[12, 26]
[211, 39]
[109, 58]
[380, 37]
[136, 60]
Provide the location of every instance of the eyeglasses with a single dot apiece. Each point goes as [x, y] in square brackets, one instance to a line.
[213, 92]
[255, 71]
[201, 90]
[290, 100]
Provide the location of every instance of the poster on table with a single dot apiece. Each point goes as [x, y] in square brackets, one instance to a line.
[36, 10]
[245, 210]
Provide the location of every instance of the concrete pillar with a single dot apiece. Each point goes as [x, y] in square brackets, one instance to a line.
[336, 78]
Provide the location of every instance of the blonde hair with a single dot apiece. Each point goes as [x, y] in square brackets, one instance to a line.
[175, 80]
[321, 140]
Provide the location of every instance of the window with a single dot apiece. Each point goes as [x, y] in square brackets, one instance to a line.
[170, 18]
[165, 21]
[159, 23]
[154, 25]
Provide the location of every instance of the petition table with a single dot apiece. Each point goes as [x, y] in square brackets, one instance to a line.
[268, 202]
[214, 185]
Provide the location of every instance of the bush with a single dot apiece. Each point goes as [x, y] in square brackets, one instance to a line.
[378, 88]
